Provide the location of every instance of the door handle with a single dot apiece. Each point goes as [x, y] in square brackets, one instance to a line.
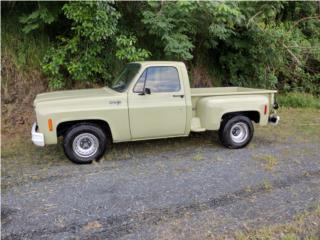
[179, 95]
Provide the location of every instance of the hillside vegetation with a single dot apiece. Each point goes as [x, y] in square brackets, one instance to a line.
[63, 45]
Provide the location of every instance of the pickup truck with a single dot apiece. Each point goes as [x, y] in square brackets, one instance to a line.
[149, 100]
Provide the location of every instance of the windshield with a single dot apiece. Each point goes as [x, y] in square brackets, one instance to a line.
[126, 76]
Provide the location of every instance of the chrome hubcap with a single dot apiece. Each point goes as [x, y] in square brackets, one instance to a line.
[239, 132]
[85, 145]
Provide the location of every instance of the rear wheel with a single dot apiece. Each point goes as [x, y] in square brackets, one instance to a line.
[85, 142]
[236, 132]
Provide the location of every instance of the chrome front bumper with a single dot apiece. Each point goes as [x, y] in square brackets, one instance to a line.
[36, 137]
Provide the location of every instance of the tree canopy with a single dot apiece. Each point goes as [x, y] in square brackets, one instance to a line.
[256, 44]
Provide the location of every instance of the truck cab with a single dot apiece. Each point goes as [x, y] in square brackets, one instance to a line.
[159, 101]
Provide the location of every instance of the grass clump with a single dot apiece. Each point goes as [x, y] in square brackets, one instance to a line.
[290, 236]
[269, 161]
[299, 100]
[267, 186]
[198, 157]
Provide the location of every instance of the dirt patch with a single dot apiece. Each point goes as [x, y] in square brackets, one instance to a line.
[18, 90]
[200, 77]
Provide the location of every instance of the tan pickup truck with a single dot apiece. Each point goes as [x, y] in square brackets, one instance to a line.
[149, 100]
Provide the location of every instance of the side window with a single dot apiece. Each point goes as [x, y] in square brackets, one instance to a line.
[163, 79]
[159, 79]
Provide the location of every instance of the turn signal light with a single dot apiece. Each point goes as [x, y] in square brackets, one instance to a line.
[50, 127]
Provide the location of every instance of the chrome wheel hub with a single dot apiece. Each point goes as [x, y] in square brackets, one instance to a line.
[85, 145]
[239, 132]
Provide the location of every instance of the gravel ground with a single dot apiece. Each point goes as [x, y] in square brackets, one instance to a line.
[187, 188]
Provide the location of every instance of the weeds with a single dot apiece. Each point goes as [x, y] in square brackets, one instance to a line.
[269, 161]
[26, 51]
[198, 157]
[299, 100]
[267, 186]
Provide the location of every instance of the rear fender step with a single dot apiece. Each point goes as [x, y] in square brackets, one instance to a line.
[196, 125]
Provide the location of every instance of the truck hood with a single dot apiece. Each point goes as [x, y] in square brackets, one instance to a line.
[73, 95]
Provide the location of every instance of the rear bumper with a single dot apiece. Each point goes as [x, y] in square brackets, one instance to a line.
[36, 137]
[274, 119]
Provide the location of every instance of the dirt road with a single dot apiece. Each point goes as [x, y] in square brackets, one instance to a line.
[188, 188]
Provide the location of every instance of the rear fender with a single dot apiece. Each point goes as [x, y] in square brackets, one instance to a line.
[210, 110]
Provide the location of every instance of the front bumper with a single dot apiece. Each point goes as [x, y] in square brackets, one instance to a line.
[36, 137]
[274, 119]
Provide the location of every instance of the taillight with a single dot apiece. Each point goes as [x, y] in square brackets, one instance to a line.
[265, 109]
[50, 126]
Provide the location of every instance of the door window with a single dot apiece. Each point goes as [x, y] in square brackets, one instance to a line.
[159, 79]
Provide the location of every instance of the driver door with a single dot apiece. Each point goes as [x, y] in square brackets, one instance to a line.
[162, 113]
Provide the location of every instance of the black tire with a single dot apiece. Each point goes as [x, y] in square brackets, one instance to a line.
[85, 133]
[228, 131]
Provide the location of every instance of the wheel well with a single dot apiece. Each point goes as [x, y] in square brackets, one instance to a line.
[64, 126]
[252, 115]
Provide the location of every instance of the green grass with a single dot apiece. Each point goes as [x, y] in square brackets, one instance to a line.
[299, 100]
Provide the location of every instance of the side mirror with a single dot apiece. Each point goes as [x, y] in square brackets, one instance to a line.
[147, 91]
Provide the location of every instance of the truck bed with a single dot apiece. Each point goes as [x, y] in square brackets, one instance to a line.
[221, 91]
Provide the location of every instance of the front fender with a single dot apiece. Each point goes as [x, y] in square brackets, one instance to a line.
[116, 115]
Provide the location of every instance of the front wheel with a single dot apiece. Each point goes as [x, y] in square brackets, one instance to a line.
[236, 132]
[84, 142]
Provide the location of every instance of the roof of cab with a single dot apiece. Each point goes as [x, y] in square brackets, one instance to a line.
[143, 63]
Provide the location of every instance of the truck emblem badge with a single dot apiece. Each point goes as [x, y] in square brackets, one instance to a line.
[116, 102]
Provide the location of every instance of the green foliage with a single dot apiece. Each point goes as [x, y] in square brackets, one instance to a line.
[87, 53]
[244, 40]
[223, 23]
[253, 44]
[170, 25]
[270, 54]
[92, 20]
[38, 18]
[299, 100]
[82, 56]
[25, 51]
[127, 50]
[253, 58]
[178, 47]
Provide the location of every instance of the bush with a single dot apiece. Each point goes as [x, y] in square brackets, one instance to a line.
[299, 100]
[87, 52]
